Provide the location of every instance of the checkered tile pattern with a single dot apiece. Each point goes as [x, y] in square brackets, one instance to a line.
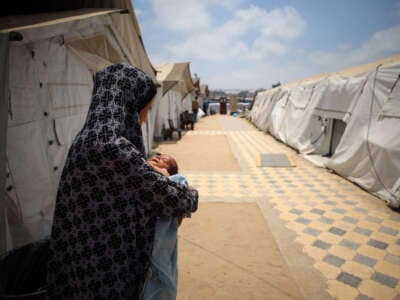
[352, 237]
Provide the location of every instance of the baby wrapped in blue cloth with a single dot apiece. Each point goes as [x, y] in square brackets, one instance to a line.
[162, 279]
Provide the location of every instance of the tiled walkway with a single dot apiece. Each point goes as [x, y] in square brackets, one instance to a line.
[339, 241]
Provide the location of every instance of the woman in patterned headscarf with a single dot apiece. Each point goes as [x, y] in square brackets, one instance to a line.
[109, 197]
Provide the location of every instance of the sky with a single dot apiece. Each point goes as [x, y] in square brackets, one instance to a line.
[247, 45]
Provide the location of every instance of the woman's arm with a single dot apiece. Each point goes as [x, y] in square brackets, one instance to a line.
[163, 197]
[151, 190]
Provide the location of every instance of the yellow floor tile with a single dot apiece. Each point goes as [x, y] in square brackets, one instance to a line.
[371, 252]
[376, 291]
[359, 270]
[383, 237]
[324, 207]
[309, 215]
[370, 225]
[380, 214]
[287, 215]
[345, 225]
[305, 239]
[330, 238]
[394, 249]
[356, 237]
[320, 225]
[388, 268]
[355, 214]
[296, 227]
[332, 215]
[329, 271]
[341, 291]
[391, 224]
[342, 252]
[315, 253]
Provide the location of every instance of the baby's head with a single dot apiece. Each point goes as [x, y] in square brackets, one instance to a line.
[165, 161]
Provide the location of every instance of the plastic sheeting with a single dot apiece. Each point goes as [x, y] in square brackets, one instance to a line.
[170, 107]
[177, 87]
[369, 151]
[351, 120]
[49, 91]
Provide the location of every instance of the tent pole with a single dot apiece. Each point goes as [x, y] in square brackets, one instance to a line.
[3, 137]
[169, 106]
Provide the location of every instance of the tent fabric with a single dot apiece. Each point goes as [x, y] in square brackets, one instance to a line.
[97, 46]
[178, 73]
[177, 94]
[169, 107]
[50, 80]
[349, 119]
[23, 22]
[369, 151]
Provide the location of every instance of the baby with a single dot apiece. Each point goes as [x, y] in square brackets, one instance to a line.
[163, 273]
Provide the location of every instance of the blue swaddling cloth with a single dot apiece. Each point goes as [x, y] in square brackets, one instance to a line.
[162, 279]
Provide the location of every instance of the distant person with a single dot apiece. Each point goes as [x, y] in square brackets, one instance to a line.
[205, 106]
[195, 107]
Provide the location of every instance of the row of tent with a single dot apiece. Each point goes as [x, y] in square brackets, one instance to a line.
[348, 122]
[49, 52]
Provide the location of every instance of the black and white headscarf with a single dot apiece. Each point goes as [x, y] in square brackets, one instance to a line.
[109, 197]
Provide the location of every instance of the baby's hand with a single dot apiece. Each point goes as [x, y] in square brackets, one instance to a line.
[161, 170]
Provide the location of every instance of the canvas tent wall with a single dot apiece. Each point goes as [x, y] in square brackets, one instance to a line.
[369, 151]
[52, 59]
[177, 88]
[347, 120]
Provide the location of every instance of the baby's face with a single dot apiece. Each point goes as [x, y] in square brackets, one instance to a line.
[162, 161]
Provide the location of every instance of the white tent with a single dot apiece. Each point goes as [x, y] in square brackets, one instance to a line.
[46, 88]
[177, 88]
[369, 150]
[348, 121]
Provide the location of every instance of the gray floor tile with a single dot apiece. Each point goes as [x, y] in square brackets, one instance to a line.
[393, 259]
[321, 244]
[303, 220]
[312, 231]
[377, 244]
[317, 211]
[337, 231]
[349, 244]
[388, 230]
[349, 279]
[350, 220]
[334, 260]
[363, 231]
[385, 279]
[365, 260]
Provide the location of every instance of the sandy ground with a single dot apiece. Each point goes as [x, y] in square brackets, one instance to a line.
[202, 153]
[226, 250]
[196, 152]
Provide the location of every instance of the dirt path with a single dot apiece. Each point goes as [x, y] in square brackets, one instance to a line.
[226, 250]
